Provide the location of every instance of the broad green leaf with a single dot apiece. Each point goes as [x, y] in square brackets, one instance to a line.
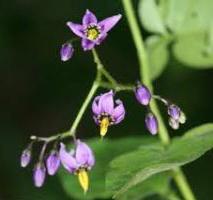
[158, 54]
[157, 184]
[133, 168]
[104, 152]
[150, 16]
[194, 50]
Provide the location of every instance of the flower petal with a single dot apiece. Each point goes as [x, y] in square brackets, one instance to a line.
[67, 160]
[101, 38]
[119, 119]
[106, 102]
[119, 110]
[108, 23]
[96, 108]
[78, 29]
[84, 155]
[87, 44]
[89, 18]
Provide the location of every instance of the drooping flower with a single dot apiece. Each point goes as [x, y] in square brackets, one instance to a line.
[53, 163]
[91, 31]
[78, 162]
[151, 123]
[107, 111]
[143, 94]
[26, 157]
[39, 174]
[176, 116]
[66, 51]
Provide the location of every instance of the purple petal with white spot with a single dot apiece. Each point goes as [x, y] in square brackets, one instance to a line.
[101, 38]
[84, 155]
[96, 108]
[106, 102]
[39, 175]
[67, 160]
[53, 163]
[119, 110]
[108, 23]
[89, 18]
[78, 29]
[87, 44]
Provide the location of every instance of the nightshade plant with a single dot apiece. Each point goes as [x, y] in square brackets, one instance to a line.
[106, 109]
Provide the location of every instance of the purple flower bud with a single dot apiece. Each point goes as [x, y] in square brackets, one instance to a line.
[174, 111]
[151, 123]
[173, 123]
[143, 94]
[53, 163]
[66, 51]
[39, 174]
[25, 157]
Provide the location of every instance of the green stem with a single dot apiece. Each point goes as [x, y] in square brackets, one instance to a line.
[107, 75]
[145, 78]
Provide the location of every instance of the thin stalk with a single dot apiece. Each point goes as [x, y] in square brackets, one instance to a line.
[107, 75]
[179, 177]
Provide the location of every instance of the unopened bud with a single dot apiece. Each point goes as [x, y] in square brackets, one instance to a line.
[151, 123]
[53, 163]
[39, 174]
[66, 51]
[143, 94]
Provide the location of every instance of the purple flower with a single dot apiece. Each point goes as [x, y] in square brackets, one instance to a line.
[143, 94]
[25, 157]
[176, 116]
[66, 51]
[174, 111]
[91, 31]
[78, 162]
[53, 163]
[151, 123]
[39, 174]
[107, 111]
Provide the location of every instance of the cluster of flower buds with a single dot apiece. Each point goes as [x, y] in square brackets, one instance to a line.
[92, 32]
[176, 115]
[77, 161]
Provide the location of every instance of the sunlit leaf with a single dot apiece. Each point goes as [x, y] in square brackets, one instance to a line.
[133, 168]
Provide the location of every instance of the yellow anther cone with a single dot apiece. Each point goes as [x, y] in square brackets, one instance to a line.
[104, 126]
[83, 179]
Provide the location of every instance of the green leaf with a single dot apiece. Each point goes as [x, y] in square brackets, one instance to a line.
[194, 50]
[158, 54]
[150, 17]
[157, 184]
[104, 152]
[133, 168]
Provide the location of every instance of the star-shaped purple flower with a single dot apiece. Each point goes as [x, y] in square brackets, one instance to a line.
[91, 31]
[107, 111]
[78, 162]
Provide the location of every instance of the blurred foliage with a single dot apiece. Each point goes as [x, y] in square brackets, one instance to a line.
[185, 26]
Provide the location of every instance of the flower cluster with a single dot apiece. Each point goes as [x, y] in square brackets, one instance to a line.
[77, 161]
[92, 32]
[176, 115]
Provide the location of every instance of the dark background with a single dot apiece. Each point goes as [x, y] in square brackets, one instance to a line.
[41, 95]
